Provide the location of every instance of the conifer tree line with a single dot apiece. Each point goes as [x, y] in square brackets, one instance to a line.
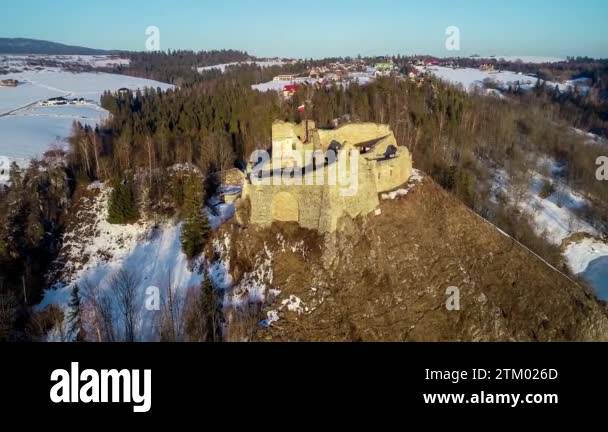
[455, 137]
[182, 67]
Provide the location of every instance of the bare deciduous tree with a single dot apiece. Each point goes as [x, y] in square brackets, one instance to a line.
[123, 285]
[172, 324]
[101, 304]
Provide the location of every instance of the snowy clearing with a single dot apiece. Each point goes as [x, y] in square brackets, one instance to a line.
[40, 85]
[20, 62]
[261, 63]
[554, 216]
[472, 79]
[26, 137]
[525, 59]
[280, 85]
[589, 259]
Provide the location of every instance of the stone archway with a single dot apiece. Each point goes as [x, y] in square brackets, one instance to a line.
[285, 208]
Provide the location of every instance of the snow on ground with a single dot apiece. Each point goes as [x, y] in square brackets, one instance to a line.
[13, 98]
[471, 79]
[589, 259]
[416, 178]
[280, 85]
[21, 62]
[5, 165]
[27, 130]
[25, 137]
[28, 133]
[87, 85]
[361, 78]
[219, 212]
[94, 252]
[261, 63]
[557, 216]
[526, 59]
[85, 111]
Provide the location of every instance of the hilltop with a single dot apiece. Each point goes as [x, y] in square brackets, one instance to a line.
[384, 278]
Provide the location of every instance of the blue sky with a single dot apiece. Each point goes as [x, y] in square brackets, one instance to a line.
[320, 28]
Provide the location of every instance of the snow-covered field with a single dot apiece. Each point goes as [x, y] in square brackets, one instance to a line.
[261, 63]
[471, 79]
[22, 62]
[27, 129]
[41, 85]
[29, 136]
[526, 59]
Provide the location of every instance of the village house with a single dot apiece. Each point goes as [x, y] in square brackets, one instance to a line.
[285, 77]
[9, 83]
[290, 90]
[56, 101]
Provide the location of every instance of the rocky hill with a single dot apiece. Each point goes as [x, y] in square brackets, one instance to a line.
[384, 278]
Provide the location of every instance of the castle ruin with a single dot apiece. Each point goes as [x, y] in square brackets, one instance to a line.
[382, 165]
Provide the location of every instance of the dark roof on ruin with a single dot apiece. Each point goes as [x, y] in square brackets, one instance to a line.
[371, 143]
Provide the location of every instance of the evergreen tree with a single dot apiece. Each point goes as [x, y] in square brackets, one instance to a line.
[210, 308]
[122, 208]
[196, 229]
[75, 315]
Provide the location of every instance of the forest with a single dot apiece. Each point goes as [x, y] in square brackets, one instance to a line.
[213, 121]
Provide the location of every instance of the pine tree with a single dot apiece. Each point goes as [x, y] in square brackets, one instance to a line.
[122, 208]
[196, 229]
[75, 315]
[210, 308]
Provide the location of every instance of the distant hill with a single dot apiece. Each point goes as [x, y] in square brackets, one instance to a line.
[33, 46]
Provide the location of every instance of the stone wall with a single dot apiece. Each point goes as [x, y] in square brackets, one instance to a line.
[320, 208]
[392, 173]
